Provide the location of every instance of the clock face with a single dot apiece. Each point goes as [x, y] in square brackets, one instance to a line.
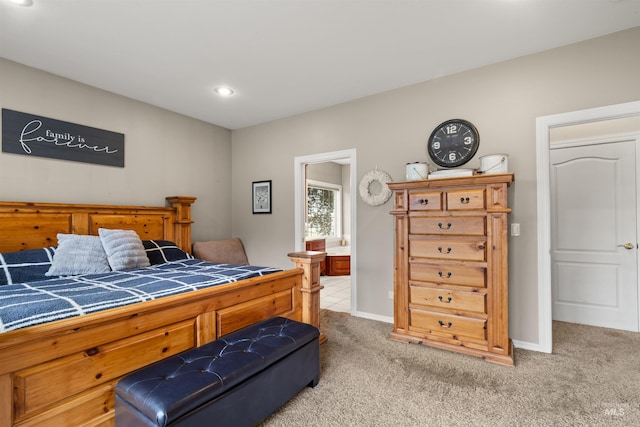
[453, 143]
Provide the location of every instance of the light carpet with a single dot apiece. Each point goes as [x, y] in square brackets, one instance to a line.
[591, 379]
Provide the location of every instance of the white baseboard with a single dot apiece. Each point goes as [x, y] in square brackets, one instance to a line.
[529, 346]
[371, 316]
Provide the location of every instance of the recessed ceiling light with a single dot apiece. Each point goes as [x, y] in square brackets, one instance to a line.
[23, 2]
[224, 91]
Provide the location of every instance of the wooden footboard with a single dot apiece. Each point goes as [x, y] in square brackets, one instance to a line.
[63, 373]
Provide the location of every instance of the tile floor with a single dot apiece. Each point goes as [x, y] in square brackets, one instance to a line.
[336, 295]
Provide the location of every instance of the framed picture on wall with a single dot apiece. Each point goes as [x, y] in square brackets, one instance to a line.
[261, 192]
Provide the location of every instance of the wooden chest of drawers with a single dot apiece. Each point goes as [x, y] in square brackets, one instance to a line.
[451, 256]
[338, 265]
[320, 246]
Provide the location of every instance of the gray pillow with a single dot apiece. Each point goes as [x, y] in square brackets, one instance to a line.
[78, 254]
[124, 249]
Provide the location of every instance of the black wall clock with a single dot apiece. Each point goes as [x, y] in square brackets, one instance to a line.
[453, 143]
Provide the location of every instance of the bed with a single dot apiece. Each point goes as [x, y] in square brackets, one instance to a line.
[64, 372]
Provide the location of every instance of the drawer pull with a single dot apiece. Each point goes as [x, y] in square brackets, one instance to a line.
[464, 200]
[444, 228]
[423, 201]
[445, 325]
[444, 276]
[440, 250]
[92, 351]
[441, 298]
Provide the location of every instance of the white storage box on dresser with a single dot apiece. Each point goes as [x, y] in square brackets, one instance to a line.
[451, 272]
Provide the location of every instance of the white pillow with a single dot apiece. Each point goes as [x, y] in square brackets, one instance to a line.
[78, 254]
[124, 249]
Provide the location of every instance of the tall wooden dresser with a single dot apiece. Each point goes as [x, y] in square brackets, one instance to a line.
[451, 275]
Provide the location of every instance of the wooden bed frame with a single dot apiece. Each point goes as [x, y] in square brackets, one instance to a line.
[63, 373]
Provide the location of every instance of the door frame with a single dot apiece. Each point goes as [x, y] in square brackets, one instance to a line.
[543, 126]
[602, 142]
[299, 196]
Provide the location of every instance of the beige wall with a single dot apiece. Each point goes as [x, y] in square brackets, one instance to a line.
[166, 154]
[169, 154]
[594, 129]
[390, 129]
[326, 172]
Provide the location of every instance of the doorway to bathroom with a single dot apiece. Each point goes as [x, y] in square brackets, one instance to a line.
[325, 220]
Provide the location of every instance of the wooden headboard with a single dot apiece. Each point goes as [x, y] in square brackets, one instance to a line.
[26, 225]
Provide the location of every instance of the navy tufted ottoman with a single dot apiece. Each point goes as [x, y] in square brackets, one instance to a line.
[237, 380]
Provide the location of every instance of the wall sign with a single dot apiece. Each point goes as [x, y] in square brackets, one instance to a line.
[31, 135]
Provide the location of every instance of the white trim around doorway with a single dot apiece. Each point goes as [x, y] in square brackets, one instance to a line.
[543, 126]
[299, 197]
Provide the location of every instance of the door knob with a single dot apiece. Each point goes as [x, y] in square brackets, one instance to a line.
[628, 245]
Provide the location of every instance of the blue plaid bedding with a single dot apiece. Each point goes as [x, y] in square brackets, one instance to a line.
[28, 304]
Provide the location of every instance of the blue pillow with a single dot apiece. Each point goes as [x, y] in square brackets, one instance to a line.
[161, 251]
[25, 266]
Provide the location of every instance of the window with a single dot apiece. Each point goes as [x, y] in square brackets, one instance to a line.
[323, 209]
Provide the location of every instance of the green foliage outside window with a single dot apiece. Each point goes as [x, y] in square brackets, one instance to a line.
[321, 215]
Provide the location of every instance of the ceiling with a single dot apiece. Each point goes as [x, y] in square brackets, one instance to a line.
[285, 57]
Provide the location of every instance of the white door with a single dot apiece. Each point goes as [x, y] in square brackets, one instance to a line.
[593, 218]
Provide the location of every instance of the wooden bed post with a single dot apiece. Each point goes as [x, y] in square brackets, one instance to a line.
[310, 261]
[182, 225]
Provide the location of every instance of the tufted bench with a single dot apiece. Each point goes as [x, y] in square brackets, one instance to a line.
[236, 380]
